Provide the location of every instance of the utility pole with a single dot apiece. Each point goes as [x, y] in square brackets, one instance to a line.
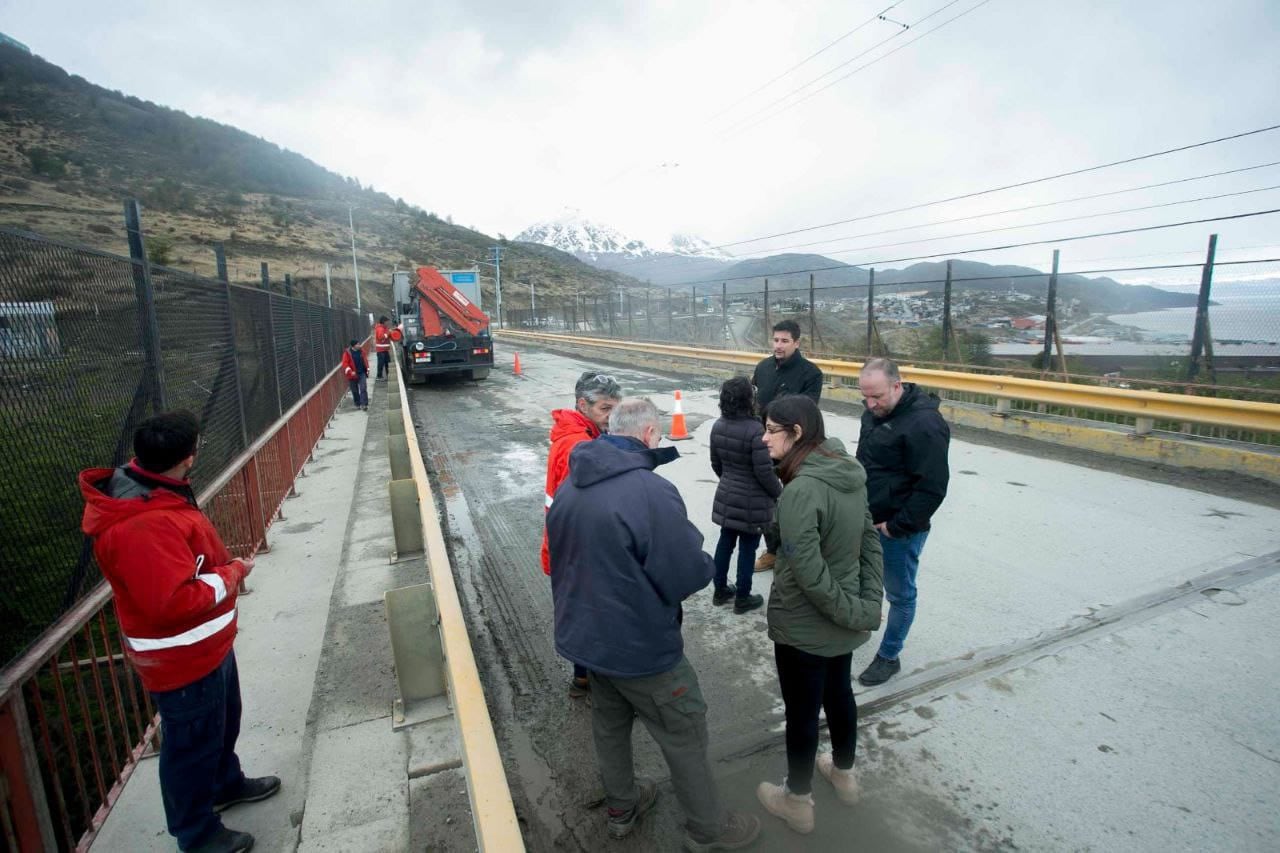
[355, 267]
[497, 275]
[328, 285]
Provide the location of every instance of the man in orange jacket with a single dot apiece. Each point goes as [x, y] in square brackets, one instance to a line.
[175, 587]
[382, 347]
[595, 395]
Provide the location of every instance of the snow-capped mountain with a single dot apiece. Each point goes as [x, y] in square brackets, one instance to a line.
[683, 257]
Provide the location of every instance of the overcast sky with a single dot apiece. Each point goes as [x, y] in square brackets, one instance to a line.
[641, 114]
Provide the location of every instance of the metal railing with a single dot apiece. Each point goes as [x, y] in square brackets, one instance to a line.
[492, 811]
[74, 717]
[1146, 406]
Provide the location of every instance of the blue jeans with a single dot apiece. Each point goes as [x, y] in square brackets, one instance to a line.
[359, 390]
[198, 763]
[747, 544]
[901, 562]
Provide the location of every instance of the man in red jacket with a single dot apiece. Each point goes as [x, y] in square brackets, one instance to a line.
[595, 396]
[175, 589]
[382, 347]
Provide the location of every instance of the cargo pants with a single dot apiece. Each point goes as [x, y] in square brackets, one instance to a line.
[671, 707]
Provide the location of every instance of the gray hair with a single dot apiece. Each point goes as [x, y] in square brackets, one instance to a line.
[883, 365]
[630, 417]
[594, 386]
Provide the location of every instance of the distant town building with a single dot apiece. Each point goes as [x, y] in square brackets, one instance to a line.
[28, 330]
[1023, 324]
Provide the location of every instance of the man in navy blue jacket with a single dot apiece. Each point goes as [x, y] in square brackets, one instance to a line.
[623, 557]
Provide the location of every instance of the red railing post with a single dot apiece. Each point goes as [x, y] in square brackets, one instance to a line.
[22, 799]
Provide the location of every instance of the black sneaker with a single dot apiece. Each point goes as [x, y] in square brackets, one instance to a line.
[880, 671]
[747, 604]
[724, 595]
[224, 841]
[250, 791]
[621, 823]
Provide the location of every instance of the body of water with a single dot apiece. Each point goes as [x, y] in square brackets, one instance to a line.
[1237, 317]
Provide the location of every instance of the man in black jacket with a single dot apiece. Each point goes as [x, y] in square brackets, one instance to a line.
[624, 555]
[785, 372]
[903, 445]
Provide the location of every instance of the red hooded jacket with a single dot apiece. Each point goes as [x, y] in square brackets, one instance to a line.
[381, 338]
[569, 426]
[175, 584]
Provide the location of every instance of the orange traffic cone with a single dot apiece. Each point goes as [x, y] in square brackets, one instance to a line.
[679, 432]
[516, 370]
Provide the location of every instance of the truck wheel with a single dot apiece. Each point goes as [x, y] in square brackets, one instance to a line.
[480, 373]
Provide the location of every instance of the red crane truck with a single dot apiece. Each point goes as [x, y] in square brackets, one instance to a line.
[443, 330]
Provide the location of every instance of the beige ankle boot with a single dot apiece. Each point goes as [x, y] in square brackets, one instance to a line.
[795, 809]
[845, 783]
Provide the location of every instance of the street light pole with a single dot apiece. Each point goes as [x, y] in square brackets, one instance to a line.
[355, 267]
[497, 275]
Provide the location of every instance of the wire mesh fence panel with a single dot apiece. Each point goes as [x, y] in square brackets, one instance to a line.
[83, 361]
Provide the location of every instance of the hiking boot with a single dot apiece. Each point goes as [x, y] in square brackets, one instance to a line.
[225, 841]
[737, 830]
[579, 688]
[621, 823]
[845, 783]
[795, 809]
[748, 603]
[724, 595]
[250, 791]
[766, 561]
[880, 671]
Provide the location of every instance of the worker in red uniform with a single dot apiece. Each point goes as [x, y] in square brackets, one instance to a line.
[595, 396]
[175, 587]
[382, 346]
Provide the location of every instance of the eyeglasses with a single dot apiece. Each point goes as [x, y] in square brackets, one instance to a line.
[775, 429]
[603, 379]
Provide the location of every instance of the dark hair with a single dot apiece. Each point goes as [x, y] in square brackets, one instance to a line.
[798, 410]
[382, 319]
[163, 441]
[737, 397]
[353, 342]
[789, 326]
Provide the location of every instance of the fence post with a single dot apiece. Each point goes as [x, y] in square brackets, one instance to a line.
[146, 304]
[648, 314]
[671, 334]
[266, 278]
[631, 332]
[32, 825]
[946, 315]
[288, 285]
[1050, 317]
[768, 327]
[220, 256]
[813, 324]
[612, 331]
[1200, 337]
[693, 310]
[724, 311]
[871, 311]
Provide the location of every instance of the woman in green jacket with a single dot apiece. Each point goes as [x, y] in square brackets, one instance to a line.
[825, 601]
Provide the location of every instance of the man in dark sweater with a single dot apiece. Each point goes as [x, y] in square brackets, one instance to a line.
[624, 555]
[903, 445]
[785, 372]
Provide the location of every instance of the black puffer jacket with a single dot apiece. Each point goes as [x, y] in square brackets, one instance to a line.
[905, 456]
[748, 488]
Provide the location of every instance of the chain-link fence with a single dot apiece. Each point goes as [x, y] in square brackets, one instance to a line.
[1131, 326]
[93, 343]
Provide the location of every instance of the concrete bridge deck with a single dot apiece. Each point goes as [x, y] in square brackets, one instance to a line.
[1092, 664]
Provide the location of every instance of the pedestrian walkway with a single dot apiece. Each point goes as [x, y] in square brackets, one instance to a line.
[317, 677]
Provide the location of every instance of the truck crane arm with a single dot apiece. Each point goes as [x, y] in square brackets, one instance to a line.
[432, 287]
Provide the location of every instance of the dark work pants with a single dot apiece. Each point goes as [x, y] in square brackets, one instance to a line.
[384, 363]
[772, 538]
[747, 544]
[809, 683]
[198, 763]
[359, 390]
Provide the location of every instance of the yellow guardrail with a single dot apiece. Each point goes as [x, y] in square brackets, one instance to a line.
[492, 810]
[1155, 405]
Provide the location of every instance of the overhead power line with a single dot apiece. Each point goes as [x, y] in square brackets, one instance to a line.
[754, 123]
[807, 59]
[936, 222]
[956, 252]
[1017, 185]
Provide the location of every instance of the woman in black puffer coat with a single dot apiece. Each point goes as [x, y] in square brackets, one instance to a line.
[747, 493]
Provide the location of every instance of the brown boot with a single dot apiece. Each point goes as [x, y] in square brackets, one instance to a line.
[738, 830]
[766, 561]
